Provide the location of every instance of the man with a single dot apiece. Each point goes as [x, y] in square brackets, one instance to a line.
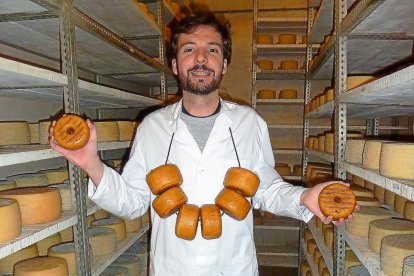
[200, 127]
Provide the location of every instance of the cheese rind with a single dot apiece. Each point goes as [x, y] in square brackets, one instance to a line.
[394, 249]
[360, 225]
[65, 251]
[371, 155]
[117, 224]
[354, 149]
[187, 222]
[397, 160]
[11, 219]
[102, 240]
[378, 229]
[233, 203]
[211, 224]
[41, 266]
[7, 263]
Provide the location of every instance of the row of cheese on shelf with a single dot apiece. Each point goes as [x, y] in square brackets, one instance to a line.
[317, 172]
[285, 170]
[286, 38]
[321, 49]
[289, 64]
[283, 94]
[22, 133]
[41, 178]
[326, 141]
[104, 234]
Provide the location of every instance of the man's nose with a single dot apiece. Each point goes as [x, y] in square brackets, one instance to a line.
[201, 57]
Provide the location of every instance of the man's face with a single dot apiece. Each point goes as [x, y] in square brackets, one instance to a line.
[199, 63]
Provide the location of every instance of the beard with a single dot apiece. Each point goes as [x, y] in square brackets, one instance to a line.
[200, 87]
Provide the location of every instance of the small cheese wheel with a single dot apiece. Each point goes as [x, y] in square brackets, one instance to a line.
[115, 270]
[7, 185]
[330, 95]
[102, 240]
[133, 263]
[65, 251]
[367, 201]
[354, 149]
[56, 176]
[358, 181]
[41, 266]
[371, 154]
[29, 180]
[101, 213]
[283, 169]
[321, 142]
[409, 210]
[360, 225]
[7, 263]
[289, 65]
[11, 219]
[322, 99]
[288, 94]
[117, 224]
[67, 234]
[329, 142]
[399, 204]
[187, 222]
[133, 225]
[265, 64]
[242, 180]
[360, 191]
[37, 204]
[379, 193]
[44, 244]
[389, 198]
[378, 229]
[397, 160]
[266, 94]
[311, 246]
[233, 204]
[169, 202]
[336, 200]
[71, 132]
[307, 235]
[264, 39]
[163, 178]
[44, 131]
[355, 81]
[287, 39]
[210, 221]
[394, 249]
[14, 133]
[328, 237]
[126, 130]
[107, 131]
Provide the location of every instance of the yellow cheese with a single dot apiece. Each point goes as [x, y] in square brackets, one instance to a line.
[389, 198]
[287, 39]
[37, 205]
[369, 185]
[360, 191]
[394, 249]
[329, 142]
[354, 135]
[321, 265]
[101, 214]
[283, 169]
[408, 267]
[130, 262]
[41, 266]
[266, 94]
[44, 132]
[115, 270]
[14, 133]
[371, 154]
[307, 235]
[304, 39]
[264, 39]
[367, 201]
[65, 251]
[288, 94]
[379, 193]
[315, 143]
[316, 254]
[355, 81]
[89, 220]
[297, 170]
[107, 131]
[67, 234]
[397, 160]
[102, 240]
[29, 180]
[117, 224]
[34, 133]
[56, 176]
[321, 142]
[378, 229]
[328, 237]
[311, 246]
[65, 195]
[289, 65]
[265, 64]
[10, 219]
[358, 181]
[409, 210]
[322, 99]
[312, 165]
[7, 185]
[133, 225]
[126, 130]
[304, 267]
[43, 245]
[7, 263]
[360, 225]
[354, 149]
[330, 95]
[399, 204]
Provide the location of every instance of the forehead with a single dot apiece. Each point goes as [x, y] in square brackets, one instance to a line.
[200, 34]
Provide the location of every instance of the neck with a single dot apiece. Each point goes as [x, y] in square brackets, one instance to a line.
[200, 105]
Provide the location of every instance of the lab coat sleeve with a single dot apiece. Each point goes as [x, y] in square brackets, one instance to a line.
[274, 195]
[125, 195]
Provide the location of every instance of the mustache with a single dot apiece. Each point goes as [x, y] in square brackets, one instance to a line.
[200, 67]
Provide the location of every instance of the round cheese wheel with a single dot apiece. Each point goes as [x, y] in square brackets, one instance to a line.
[71, 132]
[107, 131]
[126, 130]
[117, 224]
[397, 160]
[65, 251]
[242, 180]
[187, 222]
[115, 270]
[210, 221]
[233, 204]
[330, 95]
[371, 154]
[44, 244]
[379, 193]
[329, 142]
[336, 200]
[37, 204]
[102, 240]
[41, 266]
[367, 201]
[321, 265]
[289, 65]
[169, 202]
[44, 131]
[311, 246]
[389, 198]
[132, 263]
[378, 229]
[266, 94]
[360, 225]
[7, 263]
[287, 39]
[10, 216]
[34, 133]
[65, 195]
[163, 178]
[328, 237]
[355, 81]
[409, 210]
[307, 235]
[29, 180]
[394, 249]
[264, 39]
[316, 254]
[353, 151]
[7, 185]
[265, 64]
[399, 204]
[101, 213]
[14, 133]
[288, 94]
[322, 99]
[133, 225]
[360, 191]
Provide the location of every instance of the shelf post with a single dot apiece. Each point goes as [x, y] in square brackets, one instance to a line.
[254, 54]
[161, 50]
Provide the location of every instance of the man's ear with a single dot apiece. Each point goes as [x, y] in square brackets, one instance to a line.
[174, 66]
[224, 67]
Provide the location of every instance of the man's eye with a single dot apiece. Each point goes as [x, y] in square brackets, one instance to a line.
[188, 50]
[212, 50]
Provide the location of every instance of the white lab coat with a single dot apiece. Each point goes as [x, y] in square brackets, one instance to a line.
[203, 174]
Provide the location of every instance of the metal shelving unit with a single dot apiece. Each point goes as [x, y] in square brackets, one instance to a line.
[325, 251]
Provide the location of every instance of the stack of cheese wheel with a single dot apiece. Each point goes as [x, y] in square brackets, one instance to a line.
[329, 142]
[287, 39]
[44, 244]
[44, 132]
[10, 218]
[394, 249]
[7, 185]
[409, 210]
[117, 224]
[288, 94]
[408, 267]
[264, 39]
[41, 266]
[115, 270]
[397, 160]
[126, 130]
[265, 64]
[34, 133]
[283, 169]
[355, 81]
[102, 240]
[37, 204]
[399, 204]
[65, 195]
[358, 181]
[65, 251]
[266, 94]
[7, 263]
[29, 180]
[371, 154]
[289, 65]
[14, 133]
[130, 262]
[56, 176]
[360, 225]
[381, 228]
[354, 149]
[67, 234]
[107, 131]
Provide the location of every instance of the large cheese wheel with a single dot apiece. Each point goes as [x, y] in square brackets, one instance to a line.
[107, 131]
[409, 210]
[366, 214]
[210, 221]
[7, 263]
[242, 180]
[168, 202]
[10, 218]
[288, 94]
[399, 204]
[397, 160]
[187, 222]
[65, 251]
[283, 169]
[378, 229]
[287, 39]
[264, 39]
[65, 195]
[394, 249]
[44, 244]
[44, 132]
[115, 270]
[14, 133]
[34, 133]
[163, 178]
[133, 264]
[117, 224]
[56, 176]
[126, 130]
[233, 203]
[266, 94]
[355, 81]
[7, 185]
[354, 149]
[289, 65]
[265, 64]
[329, 142]
[102, 240]
[367, 201]
[37, 205]
[29, 180]
[371, 154]
[41, 266]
